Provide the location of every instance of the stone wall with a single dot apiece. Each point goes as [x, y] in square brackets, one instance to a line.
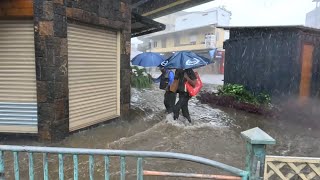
[51, 68]
[51, 19]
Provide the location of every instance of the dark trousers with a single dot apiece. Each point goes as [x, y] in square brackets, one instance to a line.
[183, 105]
[169, 101]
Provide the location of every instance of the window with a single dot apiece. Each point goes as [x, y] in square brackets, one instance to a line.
[155, 44]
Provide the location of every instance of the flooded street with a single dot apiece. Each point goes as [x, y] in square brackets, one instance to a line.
[83, 85]
[214, 134]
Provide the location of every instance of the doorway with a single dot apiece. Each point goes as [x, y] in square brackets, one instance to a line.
[306, 71]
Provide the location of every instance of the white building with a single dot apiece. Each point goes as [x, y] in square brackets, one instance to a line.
[217, 16]
[313, 17]
[198, 32]
[188, 31]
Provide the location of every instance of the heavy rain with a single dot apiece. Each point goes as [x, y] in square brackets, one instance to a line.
[80, 74]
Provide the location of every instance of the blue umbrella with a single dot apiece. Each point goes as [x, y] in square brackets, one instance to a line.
[148, 59]
[185, 60]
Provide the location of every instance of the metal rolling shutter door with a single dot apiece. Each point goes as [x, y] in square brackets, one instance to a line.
[18, 95]
[92, 64]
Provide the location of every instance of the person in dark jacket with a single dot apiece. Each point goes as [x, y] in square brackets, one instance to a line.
[166, 79]
[184, 76]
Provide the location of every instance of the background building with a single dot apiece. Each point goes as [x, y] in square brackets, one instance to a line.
[189, 31]
[313, 17]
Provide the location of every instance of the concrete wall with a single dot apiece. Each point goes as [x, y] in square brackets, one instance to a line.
[51, 19]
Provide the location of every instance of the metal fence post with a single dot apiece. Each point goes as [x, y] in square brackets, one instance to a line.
[256, 141]
[2, 176]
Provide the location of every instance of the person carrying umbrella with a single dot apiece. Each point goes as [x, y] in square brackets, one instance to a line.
[184, 76]
[184, 62]
[150, 59]
[166, 79]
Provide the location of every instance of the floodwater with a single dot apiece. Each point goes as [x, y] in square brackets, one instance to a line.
[214, 134]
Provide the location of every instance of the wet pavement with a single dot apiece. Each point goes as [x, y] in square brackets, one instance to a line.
[214, 134]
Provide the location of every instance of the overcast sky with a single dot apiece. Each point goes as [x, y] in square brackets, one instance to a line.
[263, 12]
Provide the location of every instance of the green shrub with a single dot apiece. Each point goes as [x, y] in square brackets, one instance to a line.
[264, 98]
[241, 94]
[140, 78]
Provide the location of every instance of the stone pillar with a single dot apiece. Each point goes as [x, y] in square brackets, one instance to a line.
[51, 69]
[125, 69]
[256, 151]
[125, 72]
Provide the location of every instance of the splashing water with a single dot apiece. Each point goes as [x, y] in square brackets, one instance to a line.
[214, 134]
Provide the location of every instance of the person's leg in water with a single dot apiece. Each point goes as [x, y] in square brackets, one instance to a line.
[184, 107]
[182, 104]
[166, 101]
[171, 101]
[176, 108]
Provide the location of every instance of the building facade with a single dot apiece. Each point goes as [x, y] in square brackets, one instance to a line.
[188, 31]
[187, 40]
[63, 65]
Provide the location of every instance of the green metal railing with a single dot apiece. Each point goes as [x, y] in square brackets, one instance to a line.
[76, 152]
[256, 141]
